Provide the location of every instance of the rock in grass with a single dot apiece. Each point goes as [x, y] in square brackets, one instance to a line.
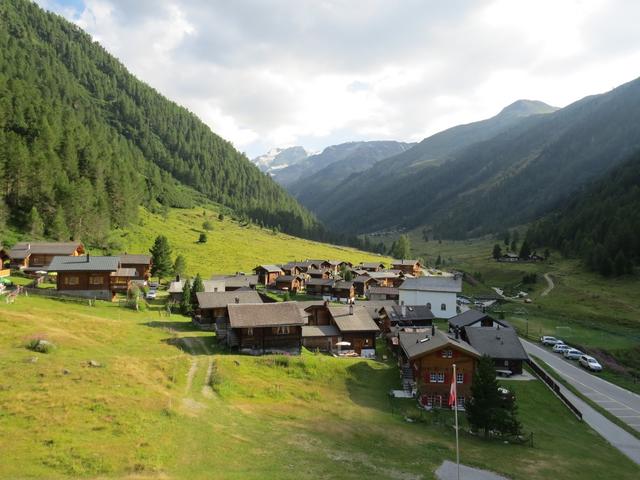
[95, 364]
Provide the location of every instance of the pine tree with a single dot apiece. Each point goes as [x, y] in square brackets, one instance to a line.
[514, 246]
[59, 229]
[180, 265]
[507, 237]
[438, 261]
[481, 408]
[36, 224]
[402, 248]
[202, 238]
[4, 213]
[161, 257]
[497, 251]
[525, 250]
[198, 286]
[620, 264]
[186, 307]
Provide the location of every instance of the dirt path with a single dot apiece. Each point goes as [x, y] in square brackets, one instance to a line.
[550, 285]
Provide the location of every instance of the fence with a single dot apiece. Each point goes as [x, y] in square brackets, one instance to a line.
[553, 385]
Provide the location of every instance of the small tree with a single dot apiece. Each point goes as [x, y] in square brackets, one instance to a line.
[161, 256]
[525, 250]
[346, 273]
[36, 224]
[514, 246]
[4, 213]
[481, 409]
[198, 286]
[186, 306]
[202, 238]
[497, 251]
[59, 229]
[547, 253]
[438, 261]
[207, 225]
[180, 265]
[221, 217]
[402, 248]
[506, 237]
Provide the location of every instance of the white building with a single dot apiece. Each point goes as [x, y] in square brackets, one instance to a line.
[438, 293]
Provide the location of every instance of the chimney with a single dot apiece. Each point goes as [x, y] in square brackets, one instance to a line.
[351, 309]
[237, 299]
[403, 309]
[28, 246]
[457, 330]
[433, 330]
[87, 257]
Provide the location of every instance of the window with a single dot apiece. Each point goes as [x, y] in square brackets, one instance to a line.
[433, 377]
[443, 307]
[447, 354]
[441, 377]
[283, 330]
[250, 331]
[73, 280]
[461, 401]
[93, 280]
[459, 377]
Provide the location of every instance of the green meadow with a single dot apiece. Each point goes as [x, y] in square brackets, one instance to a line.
[166, 402]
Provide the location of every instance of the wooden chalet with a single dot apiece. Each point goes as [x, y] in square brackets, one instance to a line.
[386, 278]
[412, 267]
[372, 266]
[383, 293]
[212, 308]
[267, 274]
[343, 291]
[509, 257]
[140, 263]
[291, 283]
[294, 268]
[427, 358]
[177, 286]
[362, 283]
[319, 273]
[403, 316]
[321, 287]
[237, 281]
[31, 257]
[329, 324]
[90, 276]
[266, 328]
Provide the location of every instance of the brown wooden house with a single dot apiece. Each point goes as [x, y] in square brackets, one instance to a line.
[35, 256]
[343, 290]
[212, 308]
[319, 273]
[291, 283]
[293, 268]
[402, 316]
[237, 281]
[430, 357]
[319, 286]
[140, 263]
[412, 267]
[266, 327]
[383, 293]
[267, 274]
[372, 266]
[88, 276]
[362, 283]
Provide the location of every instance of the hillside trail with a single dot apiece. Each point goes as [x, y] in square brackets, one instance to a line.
[550, 285]
[193, 346]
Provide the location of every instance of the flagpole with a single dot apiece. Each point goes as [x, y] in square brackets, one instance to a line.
[455, 410]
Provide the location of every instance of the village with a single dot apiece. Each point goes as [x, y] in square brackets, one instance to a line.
[345, 310]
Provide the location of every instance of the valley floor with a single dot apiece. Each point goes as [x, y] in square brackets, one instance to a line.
[167, 403]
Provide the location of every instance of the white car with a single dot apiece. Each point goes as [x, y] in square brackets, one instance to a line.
[560, 347]
[590, 363]
[573, 354]
[547, 340]
[151, 295]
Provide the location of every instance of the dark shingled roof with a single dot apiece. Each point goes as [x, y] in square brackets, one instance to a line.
[84, 264]
[418, 344]
[22, 250]
[372, 264]
[412, 312]
[501, 343]
[317, 271]
[433, 284]
[265, 315]
[125, 272]
[384, 290]
[404, 262]
[135, 259]
[360, 321]
[208, 300]
[319, 281]
[269, 268]
[288, 278]
[237, 280]
[319, 331]
[364, 279]
[342, 285]
[470, 317]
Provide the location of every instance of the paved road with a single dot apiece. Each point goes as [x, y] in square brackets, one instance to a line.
[620, 402]
[449, 471]
[550, 284]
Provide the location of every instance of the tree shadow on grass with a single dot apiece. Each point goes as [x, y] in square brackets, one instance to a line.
[173, 325]
[205, 345]
[369, 387]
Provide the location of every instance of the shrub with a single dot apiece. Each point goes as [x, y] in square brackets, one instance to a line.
[207, 225]
[202, 238]
[39, 345]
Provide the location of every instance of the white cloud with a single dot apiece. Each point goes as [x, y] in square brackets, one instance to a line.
[286, 72]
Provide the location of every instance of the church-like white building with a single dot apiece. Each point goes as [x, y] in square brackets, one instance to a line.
[438, 293]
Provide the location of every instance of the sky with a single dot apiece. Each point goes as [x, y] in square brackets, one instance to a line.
[277, 73]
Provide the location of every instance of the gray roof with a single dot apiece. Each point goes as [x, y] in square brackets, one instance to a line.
[342, 285]
[359, 321]
[502, 343]
[364, 279]
[237, 280]
[265, 315]
[418, 344]
[383, 274]
[384, 290]
[23, 249]
[320, 331]
[84, 263]
[372, 264]
[207, 300]
[375, 306]
[470, 317]
[412, 312]
[269, 268]
[319, 281]
[125, 272]
[404, 262]
[317, 271]
[433, 284]
[135, 259]
[212, 286]
[288, 278]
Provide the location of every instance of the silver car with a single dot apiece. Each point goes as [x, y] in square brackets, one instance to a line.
[560, 348]
[590, 363]
[573, 354]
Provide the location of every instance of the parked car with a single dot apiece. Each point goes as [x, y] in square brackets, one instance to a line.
[153, 284]
[590, 363]
[573, 354]
[547, 340]
[151, 295]
[560, 347]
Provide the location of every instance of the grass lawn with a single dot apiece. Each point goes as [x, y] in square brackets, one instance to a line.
[230, 246]
[166, 403]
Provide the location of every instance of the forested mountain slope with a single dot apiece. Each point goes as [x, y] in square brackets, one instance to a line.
[83, 143]
[514, 177]
[601, 224]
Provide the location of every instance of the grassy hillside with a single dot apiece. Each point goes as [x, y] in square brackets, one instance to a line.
[165, 403]
[585, 309]
[231, 246]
